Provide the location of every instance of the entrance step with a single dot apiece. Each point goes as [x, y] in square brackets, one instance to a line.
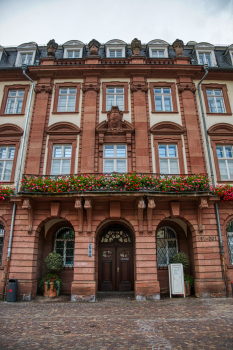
[115, 295]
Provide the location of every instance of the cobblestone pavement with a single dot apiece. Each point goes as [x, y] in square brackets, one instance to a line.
[115, 323]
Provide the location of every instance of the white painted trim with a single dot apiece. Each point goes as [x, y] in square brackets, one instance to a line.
[73, 48]
[207, 50]
[1, 52]
[18, 57]
[110, 47]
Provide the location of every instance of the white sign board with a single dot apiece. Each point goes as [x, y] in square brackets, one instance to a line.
[176, 279]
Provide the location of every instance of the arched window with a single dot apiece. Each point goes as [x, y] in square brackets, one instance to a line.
[166, 246]
[64, 245]
[230, 240]
[115, 233]
[1, 241]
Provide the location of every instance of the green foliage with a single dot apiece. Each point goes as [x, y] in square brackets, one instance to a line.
[54, 262]
[190, 279]
[48, 279]
[180, 258]
[5, 192]
[68, 235]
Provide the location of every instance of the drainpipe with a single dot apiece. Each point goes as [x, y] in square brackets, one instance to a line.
[206, 68]
[24, 68]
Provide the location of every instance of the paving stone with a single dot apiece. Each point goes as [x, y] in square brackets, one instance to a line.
[118, 324]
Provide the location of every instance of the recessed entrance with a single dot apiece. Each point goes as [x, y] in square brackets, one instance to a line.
[116, 259]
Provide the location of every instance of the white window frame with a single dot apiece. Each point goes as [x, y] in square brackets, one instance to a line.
[169, 158]
[61, 158]
[67, 49]
[5, 161]
[1, 52]
[115, 95]
[208, 51]
[115, 53]
[64, 249]
[15, 98]
[215, 102]
[117, 48]
[226, 159]
[162, 94]
[18, 62]
[115, 158]
[67, 98]
[158, 48]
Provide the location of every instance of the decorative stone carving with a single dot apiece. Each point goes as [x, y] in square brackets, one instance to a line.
[175, 209]
[87, 86]
[88, 207]
[27, 204]
[203, 203]
[178, 47]
[190, 87]
[136, 46]
[141, 206]
[43, 88]
[51, 48]
[94, 46]
[79, 207]
[115, 117]
[55, 209]
[150, 207]
[136, 87]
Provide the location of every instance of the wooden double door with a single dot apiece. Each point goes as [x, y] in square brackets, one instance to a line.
[116, 267]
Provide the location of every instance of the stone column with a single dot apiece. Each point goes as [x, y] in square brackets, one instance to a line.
[139, 89]
[90, 88]
[43, 89]
[190, 120]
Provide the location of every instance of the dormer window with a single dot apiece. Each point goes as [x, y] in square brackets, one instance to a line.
[26, 54]
[73, 49]
[158, 48]
[115, 48]
[205, 54]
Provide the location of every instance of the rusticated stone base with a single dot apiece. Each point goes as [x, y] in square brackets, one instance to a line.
[147, 290]
[141, 297]
[83, 291]
[209, 288]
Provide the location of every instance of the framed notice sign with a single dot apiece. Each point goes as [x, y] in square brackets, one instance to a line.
[176, 279]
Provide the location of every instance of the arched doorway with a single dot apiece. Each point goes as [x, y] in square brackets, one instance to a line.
[116, 269]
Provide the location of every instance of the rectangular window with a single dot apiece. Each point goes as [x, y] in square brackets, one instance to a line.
[205, 58]
[66, 100]
[157, 53]
[115, 53]
[115, 158]
[168, 159]
[14, 102]
[163, 99]
[115, 97]
[6, 162]
[26, 58]
[225, 161]
[215, 101]
[73, 53]
[61, 159]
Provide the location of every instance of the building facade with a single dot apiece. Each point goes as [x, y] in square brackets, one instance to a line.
[108, 109]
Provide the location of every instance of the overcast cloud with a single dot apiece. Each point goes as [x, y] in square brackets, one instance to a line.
[41, 20]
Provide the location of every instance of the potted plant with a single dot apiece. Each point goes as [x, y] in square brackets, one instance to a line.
[50, 284]
[182, 258]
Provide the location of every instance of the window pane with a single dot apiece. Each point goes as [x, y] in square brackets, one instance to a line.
[108, 151]
[67, 151]
[2, 152]
[57, 151]
[19, 104]
[209, 92]
[112, 53]
[70, 244]
[110, 90]
[223, 169]
[174, 168]
[71, 103]
[55, 168]
[228, 150]
[219, 150]
[172, 150]
[1, 169]
[65, 166]
[158, 103]
[220, 105]
[157, 91]
[211, 103]
[162, 151]
[70, 54]
[166, 91]
[154, 53]
[164, 166]
[121, 151]
[167, 103]
[201, 58]
[7, 172]
[121, 165]
[76, 54]
[119, 53]
[108, 165]
[120, 91]
[29, 60]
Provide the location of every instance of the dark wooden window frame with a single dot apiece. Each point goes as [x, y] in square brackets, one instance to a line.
[161, 84]
[222, 87]
[114, 84]
[8, 88]
[56, 97]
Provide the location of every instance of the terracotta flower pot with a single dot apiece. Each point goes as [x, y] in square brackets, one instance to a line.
[187, 290]
[52, 293]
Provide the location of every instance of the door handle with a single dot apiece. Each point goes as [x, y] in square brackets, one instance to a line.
[118, 269]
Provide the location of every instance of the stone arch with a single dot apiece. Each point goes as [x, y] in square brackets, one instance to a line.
[224, 223]
[104, 223]
[5, 240]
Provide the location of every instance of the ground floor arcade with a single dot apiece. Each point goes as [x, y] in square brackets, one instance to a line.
[116, 242]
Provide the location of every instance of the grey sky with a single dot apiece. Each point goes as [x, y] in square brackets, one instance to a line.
[200, 20]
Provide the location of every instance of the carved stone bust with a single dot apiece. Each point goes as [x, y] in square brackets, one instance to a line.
[115, 117]
[136, 46]
[51, 48]
[178, 47]
[94, 46]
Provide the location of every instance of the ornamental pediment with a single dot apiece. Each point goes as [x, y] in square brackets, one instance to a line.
[221, 129]
[114, 123]
[63, 128]
[167, 128]
[10, 130]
